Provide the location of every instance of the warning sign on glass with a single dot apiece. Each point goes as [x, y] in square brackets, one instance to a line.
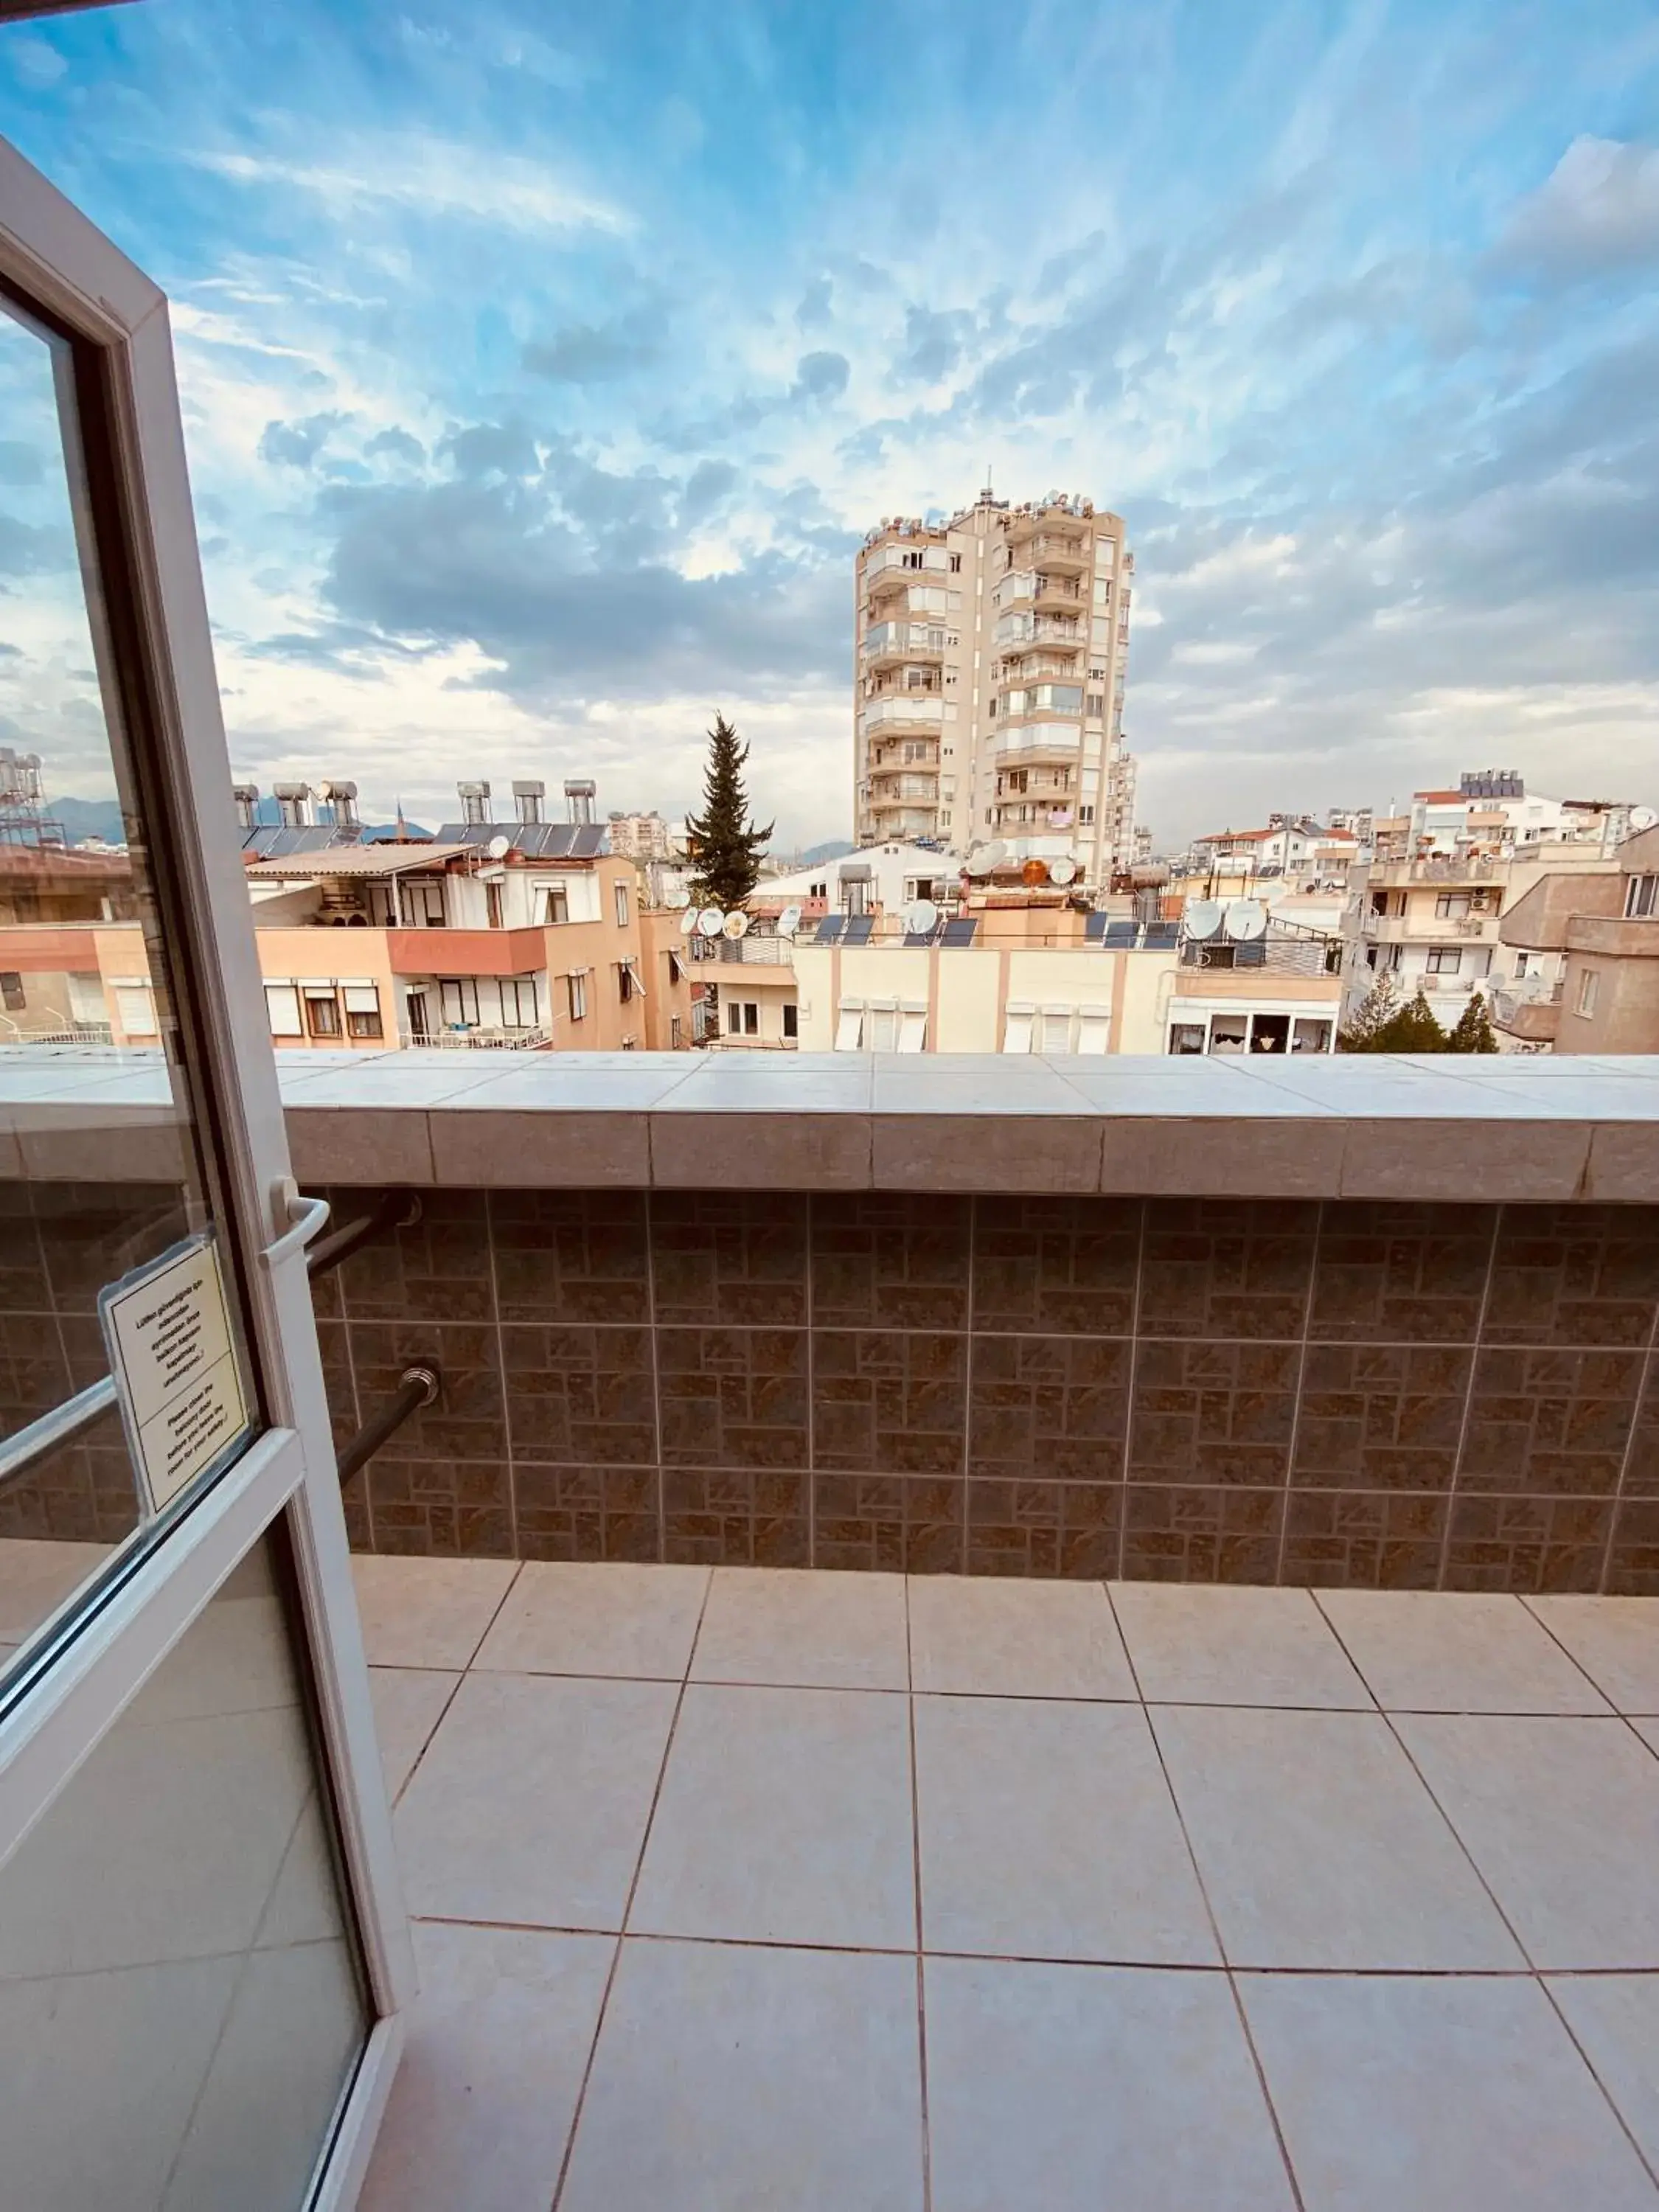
[168, 1337]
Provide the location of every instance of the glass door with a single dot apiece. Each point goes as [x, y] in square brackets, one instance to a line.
[204, 1963]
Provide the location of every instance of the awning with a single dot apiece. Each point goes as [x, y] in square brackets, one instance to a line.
[353, 861]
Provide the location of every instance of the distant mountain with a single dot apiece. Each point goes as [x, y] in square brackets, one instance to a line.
[375, 833]
[834, 848]
[89, 817]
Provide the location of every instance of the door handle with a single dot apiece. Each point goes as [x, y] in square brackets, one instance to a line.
[305, 1218]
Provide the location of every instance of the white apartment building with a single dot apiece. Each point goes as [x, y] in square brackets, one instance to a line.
[989, 667]
[641, 837]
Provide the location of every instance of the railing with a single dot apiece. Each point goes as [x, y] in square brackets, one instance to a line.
[752, 951]
[479, 1040]
[1284, 956]
[915, 707]
[80, 1033]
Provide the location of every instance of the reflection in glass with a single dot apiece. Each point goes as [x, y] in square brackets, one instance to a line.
[98, 1171]
[180, 2005]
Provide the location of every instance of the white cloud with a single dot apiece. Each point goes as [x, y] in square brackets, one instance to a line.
[432, 177]
[1598, 210]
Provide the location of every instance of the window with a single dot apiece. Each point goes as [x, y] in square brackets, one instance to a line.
[956, 564]
[555, 903]
[1444, 960]
[322, 1010]
[282, 1010]
[12, 992]
[674, 1033]
[624, 978]
[458, 998]
[791, 1021]
[1520, 966]
[422, 903]
[750, 1017]
[676, 971]
[576, 985]
[619, 901]
[1589, 984]
[519, 1006]
[1451, 906]
[1085, 814]
[493, 904]
[1641, 899]
[362, 1010]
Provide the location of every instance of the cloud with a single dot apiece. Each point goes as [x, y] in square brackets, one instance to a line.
[597, 353]
[397, 446]
[821, 376]
[933, 343]
[1595, 213]
[813, 312]
[296, 445]
[20, 463]
[430, 177]
[708, 484]
[34, 62]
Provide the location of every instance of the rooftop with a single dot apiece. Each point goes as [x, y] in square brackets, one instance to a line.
[751, 1888]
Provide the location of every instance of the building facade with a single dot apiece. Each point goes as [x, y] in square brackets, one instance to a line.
[990, 659]
[1583, 950]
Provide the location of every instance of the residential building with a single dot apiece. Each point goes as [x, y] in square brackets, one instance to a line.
[1433, 922]
[640, 837]
[990, 659]
[1493, 813]
[1358, 821]
[880, 878]
[1585, 972]
[1290, 846]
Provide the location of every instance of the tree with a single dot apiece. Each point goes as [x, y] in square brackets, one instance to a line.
[1413, 1029]
[1474, 1029]
[727, 854]
[1380, 1003]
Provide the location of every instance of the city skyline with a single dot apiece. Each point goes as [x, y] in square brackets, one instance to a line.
[542, 375]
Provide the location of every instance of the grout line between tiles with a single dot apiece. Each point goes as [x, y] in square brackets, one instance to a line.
[1210, 1915]
[966, 1554]
[916, 1869]
[1129, 1407]
[813, 1198]
[1629, 1719]
[1295, 1401]
[628, 1906]
[1468, 1396]
[1642, 1382]
[656, 1381]
[501, 1371]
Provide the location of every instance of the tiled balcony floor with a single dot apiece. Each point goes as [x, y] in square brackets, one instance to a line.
[750, 1892]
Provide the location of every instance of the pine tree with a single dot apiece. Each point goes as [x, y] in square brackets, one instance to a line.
[727, 854]
[1474, 1031]
[1379, 1005]
[1413, 1029]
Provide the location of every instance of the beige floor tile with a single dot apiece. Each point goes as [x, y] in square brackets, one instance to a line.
[1615, 1640]
[1456, 1651]
[1648, 1732]
[1616, 2019]
[1047, 1832]
[532, 1802]
[1446, 2095]
[1073, 2088]
[598, 1619]
[784, 1817]
[737, 2079]
[37, 1573]
[1562, 1818]
[409, 1703]
[427, 1612]
[1319, 1847]
[481, 2106]
[1196, 1644]
[787, 1625]
[991, 1637]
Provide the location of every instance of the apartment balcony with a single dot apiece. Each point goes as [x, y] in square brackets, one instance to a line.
[988, 1632]
[1056, 591]
[922, 710]
[457, 952]
[1060, 553]
[1444, 868]
[474, 1037]
[1529, 1010]
[1428, 928]
[891, 643]
[881, 582]
[1027, 742]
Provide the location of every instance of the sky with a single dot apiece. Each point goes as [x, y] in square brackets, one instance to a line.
[542, 367]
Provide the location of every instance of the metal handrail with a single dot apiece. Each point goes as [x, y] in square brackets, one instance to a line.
[397, 1209]
[21, 1454]
[416, 1386]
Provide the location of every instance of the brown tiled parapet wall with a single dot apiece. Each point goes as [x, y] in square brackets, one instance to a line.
[1366, 1392]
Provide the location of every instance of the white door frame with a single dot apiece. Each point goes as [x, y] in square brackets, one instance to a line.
[55, 258]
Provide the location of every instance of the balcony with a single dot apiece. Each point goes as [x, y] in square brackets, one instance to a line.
[1428, 928]
[801, 1684]
[1055, 591]
[923, 709]
[1061, 553]
[1529, 1010]
[895, 641]
[1172, 1898]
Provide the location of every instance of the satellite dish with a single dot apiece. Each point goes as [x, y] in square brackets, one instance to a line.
[1245, 919]
[1062, 870]
[789, 922]
[1642, 817]
[977, 864]
[677, 900]
[499, 847]
[994, 855]
[711, 921]
[736, 924]
[688, 921]
[1202, 918]
[921, 918]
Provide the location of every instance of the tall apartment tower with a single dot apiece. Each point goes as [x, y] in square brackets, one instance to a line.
[989, 681]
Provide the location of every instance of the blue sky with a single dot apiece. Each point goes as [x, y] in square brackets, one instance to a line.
[543, 367]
